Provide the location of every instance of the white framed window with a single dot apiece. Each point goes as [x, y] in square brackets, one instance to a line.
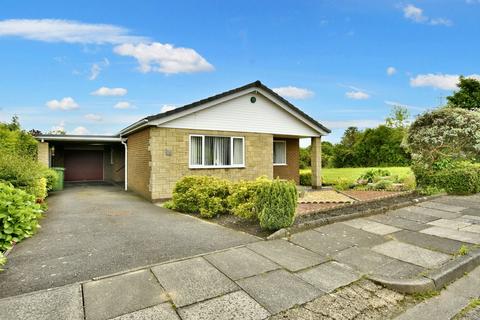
[216, 152]
[279, 153]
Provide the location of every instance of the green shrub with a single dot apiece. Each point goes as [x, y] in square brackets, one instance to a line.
[460, 177]
[382, 185]
[3, 260]
[305, 178]
[19, 215]
[277, 203]
[374, 175]
[243, 200]
[343, 184]
[202, 195]
[26, 174]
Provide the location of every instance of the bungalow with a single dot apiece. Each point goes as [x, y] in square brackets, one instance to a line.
[243, 133]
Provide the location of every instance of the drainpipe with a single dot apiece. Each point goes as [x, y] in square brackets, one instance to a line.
[126, 161]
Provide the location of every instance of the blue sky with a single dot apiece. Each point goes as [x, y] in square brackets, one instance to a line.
[97, 66]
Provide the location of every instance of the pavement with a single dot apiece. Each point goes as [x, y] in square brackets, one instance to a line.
[95, 230]
[265, 279]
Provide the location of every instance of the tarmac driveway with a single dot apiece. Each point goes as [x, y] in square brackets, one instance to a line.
[95, 230]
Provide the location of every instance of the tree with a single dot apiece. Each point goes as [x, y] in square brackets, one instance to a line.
[468, 95]
[398, 117]
[446, 133]
[350, 137]
[305, 158]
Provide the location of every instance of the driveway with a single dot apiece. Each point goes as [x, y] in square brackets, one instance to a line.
[95, 230]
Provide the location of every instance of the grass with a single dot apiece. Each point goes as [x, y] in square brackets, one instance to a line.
[474, 303]
[332, 175]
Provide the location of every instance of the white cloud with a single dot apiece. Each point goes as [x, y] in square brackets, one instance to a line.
[60, 127]
[416, 14]
[56, 30]
[294, 92]
[438, 80]
[123, 105]
[166, 108]
[365, 123]
[80, 130]
[357, 95]
[97, 67]
[164, 58]
[391, 71]
[93, 117]
[112, 92]
[66, 103]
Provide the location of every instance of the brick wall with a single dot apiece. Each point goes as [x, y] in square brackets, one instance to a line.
[139, 163]
[114, 171]
[42, 153]
[291, 170]
[170, 151]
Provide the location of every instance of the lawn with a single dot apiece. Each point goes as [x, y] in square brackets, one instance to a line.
[331, 175]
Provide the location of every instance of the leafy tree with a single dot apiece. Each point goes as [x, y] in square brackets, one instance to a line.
[350, 137]
[446, 133]
[468, 95]
[13, 140]
[327, 154]
[305, 157]
[398, 117]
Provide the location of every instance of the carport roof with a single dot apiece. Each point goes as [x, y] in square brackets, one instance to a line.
[78, 138]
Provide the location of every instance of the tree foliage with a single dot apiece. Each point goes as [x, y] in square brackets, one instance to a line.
[468, 95]
[13, 140]
[446, 133]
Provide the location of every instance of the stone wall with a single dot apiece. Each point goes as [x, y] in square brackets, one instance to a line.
[291, 170]
[170, 151]
[139, 159]
[43, 155]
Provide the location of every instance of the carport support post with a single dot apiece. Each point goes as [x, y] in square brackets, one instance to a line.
[316, 157]
[126, 163]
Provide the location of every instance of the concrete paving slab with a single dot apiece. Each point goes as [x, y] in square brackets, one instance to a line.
[162, 311]
[362, 259]
[412, 254]
[107, 298]
[469, 219]
[288, 255]
[233, 306]
[329, 276]
[473, 228]
[440, 214]
[441, 206]
[398, 222]
[320, 243]
[192, 280]
[59, 303]
[461, 201]
[471, 212]
[451, 224]
[405, 214]
[398, 269]
[458, 235]
[240, 263]
[279, 290]
[428, 241]
[371, 226]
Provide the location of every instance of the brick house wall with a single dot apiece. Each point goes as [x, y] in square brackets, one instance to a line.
[291, 170]
[139, 158]
[114, 171]
[170, 158]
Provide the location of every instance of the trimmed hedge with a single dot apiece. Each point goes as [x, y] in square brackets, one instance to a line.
[305, 178]
[272, 202]
[19, 215]
[457, 178]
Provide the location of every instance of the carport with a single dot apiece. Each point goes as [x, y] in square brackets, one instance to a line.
[86, 157]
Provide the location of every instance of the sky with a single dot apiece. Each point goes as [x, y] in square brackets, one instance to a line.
[94, 67]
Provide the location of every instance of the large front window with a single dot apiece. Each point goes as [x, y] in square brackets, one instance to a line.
[216, 152]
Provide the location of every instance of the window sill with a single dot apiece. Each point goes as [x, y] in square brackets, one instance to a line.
[217, 167]
[280, 164]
